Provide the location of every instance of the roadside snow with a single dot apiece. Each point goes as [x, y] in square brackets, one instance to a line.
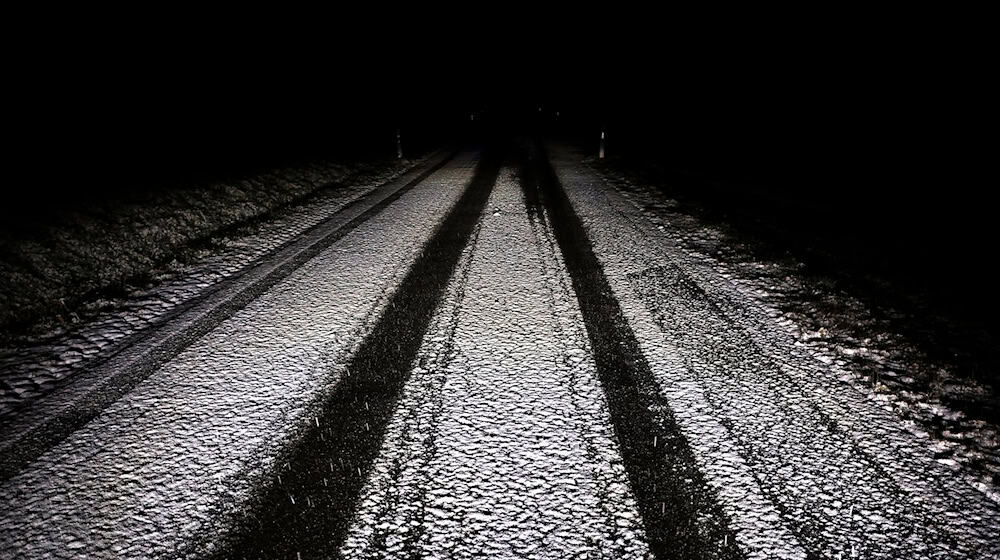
[843, 331]
[217, 230]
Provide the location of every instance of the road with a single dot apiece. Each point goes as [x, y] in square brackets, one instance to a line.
[501, 357]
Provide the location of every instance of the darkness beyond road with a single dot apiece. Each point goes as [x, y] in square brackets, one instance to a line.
[873, 158]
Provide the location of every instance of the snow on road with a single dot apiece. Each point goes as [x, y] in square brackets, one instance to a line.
[501, 446]
[166, 461]
[801, 462]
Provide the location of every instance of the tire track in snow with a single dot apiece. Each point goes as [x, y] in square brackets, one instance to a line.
[502, 446]
[306, 509]
[790, 449]
[48, 422]
[160, 471]
[680, 512]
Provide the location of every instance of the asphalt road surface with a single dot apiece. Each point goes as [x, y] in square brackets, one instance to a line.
[496, 356]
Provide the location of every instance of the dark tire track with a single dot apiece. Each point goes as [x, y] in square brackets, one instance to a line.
[147, 352]
[544, 238]
[308, 509]
[680, 513]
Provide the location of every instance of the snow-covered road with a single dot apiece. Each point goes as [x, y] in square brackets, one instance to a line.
[508, 361]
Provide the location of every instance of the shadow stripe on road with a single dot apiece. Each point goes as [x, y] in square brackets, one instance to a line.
[680, 513]
[94, 391]
[306, 509]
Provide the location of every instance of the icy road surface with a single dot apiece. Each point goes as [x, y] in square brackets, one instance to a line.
[508, 361]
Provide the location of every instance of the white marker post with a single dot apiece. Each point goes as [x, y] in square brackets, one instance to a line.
[399, 146]
[600, 153]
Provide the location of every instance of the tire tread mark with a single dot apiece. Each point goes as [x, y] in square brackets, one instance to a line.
[680, 512]
[308, 509]
[116, 380]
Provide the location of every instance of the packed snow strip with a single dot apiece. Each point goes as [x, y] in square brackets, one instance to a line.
[801, 462]
[31, 372]
[501, 445]
[161, 464]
